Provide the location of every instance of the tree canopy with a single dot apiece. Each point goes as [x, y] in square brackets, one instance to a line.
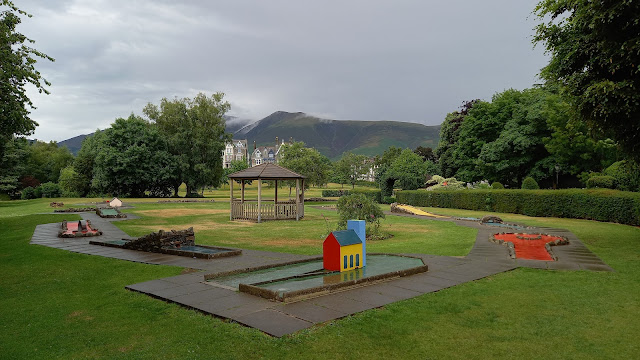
[133, 158]
[305, 161]
[195, 132]
[595, 56]
[18, 70]
[350, 168]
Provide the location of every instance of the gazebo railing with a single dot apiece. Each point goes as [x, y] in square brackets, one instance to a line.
[248, 210]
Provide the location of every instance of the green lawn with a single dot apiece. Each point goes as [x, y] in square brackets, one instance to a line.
[57, 304]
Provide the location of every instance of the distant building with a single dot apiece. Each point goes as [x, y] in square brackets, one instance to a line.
[235, 150]
[372, 168]
[266, 154]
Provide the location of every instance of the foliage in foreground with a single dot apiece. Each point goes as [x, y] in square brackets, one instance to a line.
[594, 50]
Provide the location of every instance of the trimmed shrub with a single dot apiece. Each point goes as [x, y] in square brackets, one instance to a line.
[529, 183]
[595, 204]
[373, 194]
[605, 182]
[497, 185]
[626, 175]
[28, 193]
[388, 200]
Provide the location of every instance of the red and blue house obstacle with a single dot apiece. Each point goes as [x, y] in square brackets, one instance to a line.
[347, 249]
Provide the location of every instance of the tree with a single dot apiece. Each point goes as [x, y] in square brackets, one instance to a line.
[449, 134]
[306, 161]
[594, 51]
[426, 153]
[84, 163]
[133, 158]
[350, 168]
[234, 166]
[12, 160]
[18, 61]
[408, 170]
[383, 162]
[46, 160]
[195, 130]
[72, 183]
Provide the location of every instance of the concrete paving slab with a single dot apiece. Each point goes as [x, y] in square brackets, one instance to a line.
[308, 311]
[274, 322]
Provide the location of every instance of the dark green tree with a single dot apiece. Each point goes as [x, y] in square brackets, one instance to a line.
[408, 170]
[46, 160]
[595, 57]
[133, 159]
[449, 135]
[195, 130]
[426, 153]
[12, 165]
[84, 163]
[305, 161]
[17, 69]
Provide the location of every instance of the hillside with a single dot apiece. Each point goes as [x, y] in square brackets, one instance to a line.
[74, 143]
[331, 137]
[334, 137]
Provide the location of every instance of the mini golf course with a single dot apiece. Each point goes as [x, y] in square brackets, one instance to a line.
[276, 318]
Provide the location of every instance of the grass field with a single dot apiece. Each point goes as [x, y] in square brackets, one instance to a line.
[57, 304]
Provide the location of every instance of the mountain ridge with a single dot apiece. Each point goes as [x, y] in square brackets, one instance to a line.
[330, 137]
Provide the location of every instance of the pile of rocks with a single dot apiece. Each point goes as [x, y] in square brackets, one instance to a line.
[163, 240]
[74, 210]
[491, 219]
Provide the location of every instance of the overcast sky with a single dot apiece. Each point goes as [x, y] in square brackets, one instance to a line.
[351, 60]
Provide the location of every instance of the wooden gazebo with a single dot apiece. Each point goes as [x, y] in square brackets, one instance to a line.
[266, 209]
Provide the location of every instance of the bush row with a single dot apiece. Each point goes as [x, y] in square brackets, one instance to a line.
[373, 194]
[597, 204]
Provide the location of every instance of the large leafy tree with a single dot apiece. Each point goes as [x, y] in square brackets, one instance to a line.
[408, 170]
[449, 134]
[133, 158]
[595, 55]
[84, 163]
[306, 161]
[46, 160]
[17, 60]
[195, 130]
[350, 168]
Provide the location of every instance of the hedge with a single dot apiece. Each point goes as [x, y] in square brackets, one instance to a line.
[373, 194]
[594, 204]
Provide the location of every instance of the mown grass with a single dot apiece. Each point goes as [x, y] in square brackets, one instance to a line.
[57, 304]
[213, 227]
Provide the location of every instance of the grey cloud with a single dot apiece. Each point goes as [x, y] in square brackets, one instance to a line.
[371, 60]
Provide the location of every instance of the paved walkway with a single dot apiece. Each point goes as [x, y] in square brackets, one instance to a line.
[278, 319]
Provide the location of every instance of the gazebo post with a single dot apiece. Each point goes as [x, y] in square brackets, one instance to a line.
[242, 197]
[231, 198]
[259, 200]
[297, 199]
[302, 200]
[276, 198]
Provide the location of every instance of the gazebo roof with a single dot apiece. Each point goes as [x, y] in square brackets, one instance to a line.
[267, 172]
